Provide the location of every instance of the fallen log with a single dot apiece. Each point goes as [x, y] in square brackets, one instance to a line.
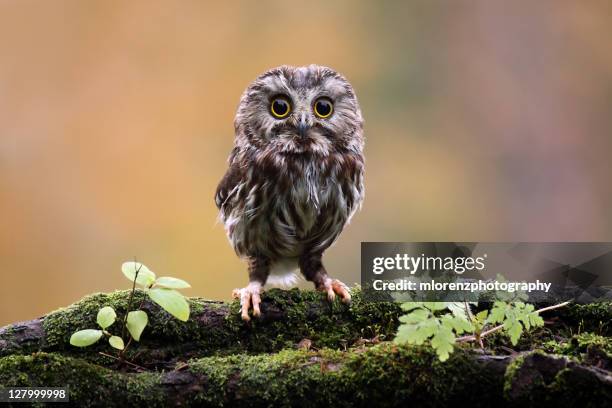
[302, 352]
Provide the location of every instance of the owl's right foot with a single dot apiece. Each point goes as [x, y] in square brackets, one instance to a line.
[249, 296]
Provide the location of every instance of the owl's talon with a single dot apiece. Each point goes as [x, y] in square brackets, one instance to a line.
[256, 300]
[342, 290]
[249, 296]
[331, 296]
[335, 287]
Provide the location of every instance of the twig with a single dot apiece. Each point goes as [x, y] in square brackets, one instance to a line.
[501, 326]
[123, 361]
[508, 349]
[545, 309]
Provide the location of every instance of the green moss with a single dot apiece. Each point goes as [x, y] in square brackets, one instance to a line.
[575, 388]
[583, 347]
[538, 379]
[592, 317]
[511, 372]
[60, 325]
[289, 316]
[216, 328]
[309, 315]
[89, 385]
[385, 375]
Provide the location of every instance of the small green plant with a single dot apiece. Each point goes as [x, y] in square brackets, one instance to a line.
[162, 290]
[422, 323]
[441, 323]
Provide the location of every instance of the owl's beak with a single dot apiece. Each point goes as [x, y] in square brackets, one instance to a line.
[303, 128]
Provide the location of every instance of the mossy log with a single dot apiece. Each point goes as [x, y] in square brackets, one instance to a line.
[215, 359]
[214, 328]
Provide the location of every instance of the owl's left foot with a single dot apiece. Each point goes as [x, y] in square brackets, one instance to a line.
[334, 287]
[249, 296]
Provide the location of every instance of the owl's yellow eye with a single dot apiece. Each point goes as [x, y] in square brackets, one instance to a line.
[280, 107]
[323, 108]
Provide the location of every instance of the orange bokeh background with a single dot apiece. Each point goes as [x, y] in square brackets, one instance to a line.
[485, 121]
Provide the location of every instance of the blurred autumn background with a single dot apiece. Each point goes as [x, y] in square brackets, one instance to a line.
[485, 120]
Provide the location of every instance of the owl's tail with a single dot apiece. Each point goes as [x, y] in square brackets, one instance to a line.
[284, 274]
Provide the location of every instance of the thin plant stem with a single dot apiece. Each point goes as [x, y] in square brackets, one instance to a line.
[501, 326]
[123, 361]
[130, 301]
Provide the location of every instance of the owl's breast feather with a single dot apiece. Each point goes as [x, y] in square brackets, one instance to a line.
[283, 210]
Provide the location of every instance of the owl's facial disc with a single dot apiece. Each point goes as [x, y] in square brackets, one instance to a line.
[300, 110]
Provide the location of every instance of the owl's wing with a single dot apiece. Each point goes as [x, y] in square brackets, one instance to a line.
[228, 185]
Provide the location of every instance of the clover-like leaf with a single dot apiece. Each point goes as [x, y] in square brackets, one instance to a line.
[116, 342]
[172, 283]
[136, 323]
[106, 317]
[84, 338]
[145, 277]
[171, 301]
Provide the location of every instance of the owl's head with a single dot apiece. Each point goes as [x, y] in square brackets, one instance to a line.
[298, 110]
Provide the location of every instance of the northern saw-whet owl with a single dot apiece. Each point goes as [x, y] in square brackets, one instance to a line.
[295, 178]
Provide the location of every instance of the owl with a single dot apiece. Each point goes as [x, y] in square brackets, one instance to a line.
[295, 178]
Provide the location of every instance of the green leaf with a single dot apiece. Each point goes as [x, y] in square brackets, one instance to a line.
[408, 306]
[145, 277]
[84, 338]
[416, 333]
[433, 306]
[443, 342]
[106, 317]
[498, 313]
[458, 324]
[171, 301]
[457, 309]
[136, 323]
[514, 330]
[416, 316]
[482, 315]
[404, 334]
[172, 283]
[116, 342]
[536, 320]
[424, 331]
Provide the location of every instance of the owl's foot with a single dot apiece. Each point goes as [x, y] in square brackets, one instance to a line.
[249, 296]
[334, 287]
